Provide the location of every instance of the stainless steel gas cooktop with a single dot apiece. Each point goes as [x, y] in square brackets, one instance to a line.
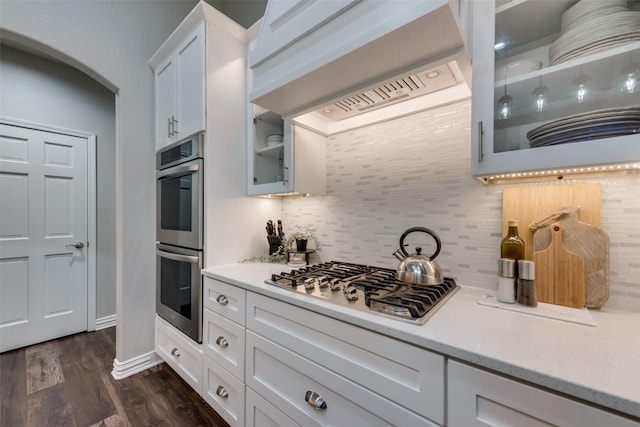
[366, 288]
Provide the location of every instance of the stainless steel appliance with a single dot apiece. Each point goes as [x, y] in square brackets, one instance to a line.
[372, 289]
[179, 202]
[179, 288]
[179, 235]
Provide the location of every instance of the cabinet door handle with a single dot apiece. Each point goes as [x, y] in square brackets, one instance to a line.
[175, 352]
[222, 341]
[222, 392]
[169, 131]
[315, 400]
[174, 123]
[285, 170]
[480, 142]
[222, 300]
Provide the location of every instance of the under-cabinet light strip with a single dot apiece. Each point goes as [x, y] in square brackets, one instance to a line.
[588, 171]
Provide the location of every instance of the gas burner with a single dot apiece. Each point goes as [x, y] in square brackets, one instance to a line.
[366, 288]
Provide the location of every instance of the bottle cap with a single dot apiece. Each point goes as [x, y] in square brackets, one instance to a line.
[527, 270]
[506, 267]
[513, 223]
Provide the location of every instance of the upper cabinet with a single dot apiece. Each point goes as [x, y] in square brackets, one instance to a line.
[179, 77]
[284, 158]
[556, 84]
[312, 53]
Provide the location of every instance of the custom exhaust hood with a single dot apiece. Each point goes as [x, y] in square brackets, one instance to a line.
[330, 64]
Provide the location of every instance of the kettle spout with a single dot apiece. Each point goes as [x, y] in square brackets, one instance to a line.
[398, 254]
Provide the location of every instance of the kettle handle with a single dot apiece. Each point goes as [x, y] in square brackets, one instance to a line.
[424, 230]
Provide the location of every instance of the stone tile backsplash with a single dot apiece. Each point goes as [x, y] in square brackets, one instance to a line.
[414, 171]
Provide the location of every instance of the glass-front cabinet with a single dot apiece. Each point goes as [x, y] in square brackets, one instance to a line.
[284, 158]
[556, 84]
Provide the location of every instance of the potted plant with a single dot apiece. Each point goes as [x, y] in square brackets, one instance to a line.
[300, 237]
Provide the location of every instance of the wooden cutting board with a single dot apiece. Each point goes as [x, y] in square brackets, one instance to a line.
[559, 273]
[529, 204]
[588, 241]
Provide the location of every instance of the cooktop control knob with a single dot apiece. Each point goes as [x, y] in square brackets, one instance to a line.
[309, 283]
[351, 293]
[323, 281]
[335, 284]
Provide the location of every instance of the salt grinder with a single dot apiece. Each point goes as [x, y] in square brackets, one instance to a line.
[506, 280]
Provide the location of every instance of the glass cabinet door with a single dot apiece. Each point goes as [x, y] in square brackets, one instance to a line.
[564, 84]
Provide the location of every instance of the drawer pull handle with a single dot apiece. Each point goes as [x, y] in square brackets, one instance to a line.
[175, 352]
[222, 341]
[315, 400]
[222, 392]
[222, 299]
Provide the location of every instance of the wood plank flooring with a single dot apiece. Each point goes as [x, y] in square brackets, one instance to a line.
[68, 383]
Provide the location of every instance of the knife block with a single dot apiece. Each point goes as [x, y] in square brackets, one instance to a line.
[274, 244]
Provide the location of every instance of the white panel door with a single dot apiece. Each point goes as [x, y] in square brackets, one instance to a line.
[190, 81]
[43, 217]
[165, 103]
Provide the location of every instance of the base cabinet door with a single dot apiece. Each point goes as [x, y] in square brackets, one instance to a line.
[261, 413]
[224, 392]
[480, 398]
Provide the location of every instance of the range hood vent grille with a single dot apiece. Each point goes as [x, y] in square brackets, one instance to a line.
[391, 91]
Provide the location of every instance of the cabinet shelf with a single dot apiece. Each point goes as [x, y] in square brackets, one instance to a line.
[271, 151]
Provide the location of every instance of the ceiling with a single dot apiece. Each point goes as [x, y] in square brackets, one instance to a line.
[244, 12]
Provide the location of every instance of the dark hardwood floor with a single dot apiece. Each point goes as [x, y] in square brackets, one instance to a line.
[68, 383]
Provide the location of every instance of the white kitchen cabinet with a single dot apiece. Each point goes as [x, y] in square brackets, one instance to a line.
[296, 165]
[223, 392]
[358, 373]
[528, 29]
[261, 413]
[223, 343]
[180, 88]
[479, 398]
[180, 352]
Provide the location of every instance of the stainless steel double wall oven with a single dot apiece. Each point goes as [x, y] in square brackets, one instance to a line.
[179, 234]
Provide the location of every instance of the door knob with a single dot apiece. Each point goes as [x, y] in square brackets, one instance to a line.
[78, 245]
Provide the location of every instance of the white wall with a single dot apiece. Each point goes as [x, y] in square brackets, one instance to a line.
[112, 41]
[47, 92]
[414, 171]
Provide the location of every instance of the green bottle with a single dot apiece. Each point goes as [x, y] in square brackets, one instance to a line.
[512, 245]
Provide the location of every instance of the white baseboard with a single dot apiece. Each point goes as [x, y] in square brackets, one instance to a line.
[105, 322]
[134, 365]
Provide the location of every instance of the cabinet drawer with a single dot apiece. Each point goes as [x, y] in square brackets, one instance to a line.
[480, 398]
[409, 375]
[224, 299]
[287, 380]
[261, 413]
[223, 392]
[223, 341]
[180, 352]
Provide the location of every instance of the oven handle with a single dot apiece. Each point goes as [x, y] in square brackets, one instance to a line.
[177, 170]
[178, 257]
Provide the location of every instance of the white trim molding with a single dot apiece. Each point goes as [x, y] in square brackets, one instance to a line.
[106, 322]
[134, 365]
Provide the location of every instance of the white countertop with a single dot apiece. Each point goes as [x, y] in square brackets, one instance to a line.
[598, 364]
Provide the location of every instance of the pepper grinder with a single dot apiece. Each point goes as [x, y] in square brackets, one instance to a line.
[527, 284]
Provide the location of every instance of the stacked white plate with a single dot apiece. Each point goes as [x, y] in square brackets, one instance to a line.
[597, 124]
[274, 140]
[594, 25]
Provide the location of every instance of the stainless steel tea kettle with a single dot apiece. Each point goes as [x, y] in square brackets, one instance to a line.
[417, 268]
